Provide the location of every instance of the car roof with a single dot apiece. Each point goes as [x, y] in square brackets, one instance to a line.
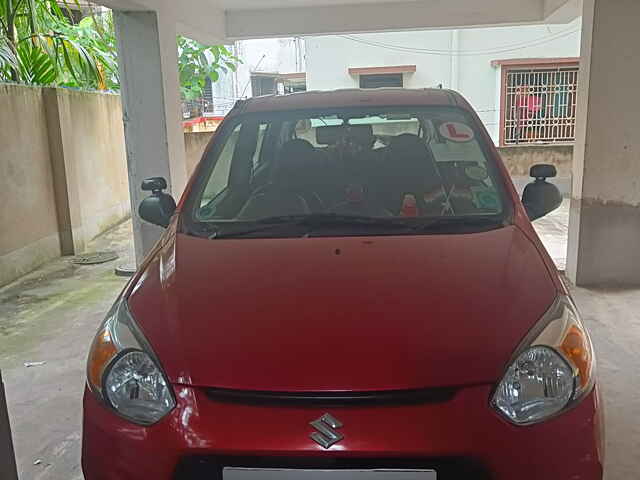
[388, 97]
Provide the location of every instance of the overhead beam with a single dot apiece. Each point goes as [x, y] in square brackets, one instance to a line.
[199, 20]
[550, 6]
[562, 11]
[257, 23]
[127, 5]
[196, 19]
[206, 22]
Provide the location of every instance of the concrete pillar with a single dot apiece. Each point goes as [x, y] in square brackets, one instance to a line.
[7, 457]
[147, 57]
[604, 226]
[67, 201]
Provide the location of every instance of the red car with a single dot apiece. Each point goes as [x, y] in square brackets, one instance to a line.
[350, 287]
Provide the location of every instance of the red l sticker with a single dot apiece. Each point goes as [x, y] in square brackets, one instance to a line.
[456, 132]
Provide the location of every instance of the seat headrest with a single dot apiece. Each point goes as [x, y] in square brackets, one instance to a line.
[410, 160]
[362, 134]
[409, 145]
[296, 148]
[295, 163]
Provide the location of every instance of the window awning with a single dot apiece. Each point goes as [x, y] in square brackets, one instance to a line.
[293, 76]
[537, 62]
[382, 70]
[301, 76]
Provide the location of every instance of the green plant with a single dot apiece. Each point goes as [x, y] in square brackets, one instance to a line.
[93, 40]
[40, 45]
[8, 58]
[34, 65]
[197, 62]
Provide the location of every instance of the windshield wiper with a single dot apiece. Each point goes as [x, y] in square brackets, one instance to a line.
[462, 222]
[312, 220]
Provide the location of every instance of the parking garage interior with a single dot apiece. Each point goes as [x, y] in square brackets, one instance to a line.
[55, 310]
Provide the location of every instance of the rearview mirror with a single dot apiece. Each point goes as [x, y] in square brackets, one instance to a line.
[541, 197]
[158, 207]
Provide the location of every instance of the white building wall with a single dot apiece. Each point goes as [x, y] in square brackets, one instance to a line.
[224, 93]
[479, 82]
[270, 55]
[329, 58]
[457, 59]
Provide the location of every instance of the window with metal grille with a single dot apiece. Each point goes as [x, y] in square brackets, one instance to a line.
[539, 104]
[381, 81]
[263, 84]
[294, 85]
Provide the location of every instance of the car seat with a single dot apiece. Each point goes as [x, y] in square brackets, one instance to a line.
[292, 189]
[409, 169]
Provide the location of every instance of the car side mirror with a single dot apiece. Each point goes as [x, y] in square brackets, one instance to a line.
[541, 197]
[158, 207]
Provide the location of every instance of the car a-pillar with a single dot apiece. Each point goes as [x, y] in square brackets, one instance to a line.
[148, 64]
[604, 226]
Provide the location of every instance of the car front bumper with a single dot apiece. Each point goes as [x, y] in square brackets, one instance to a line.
[459, 438]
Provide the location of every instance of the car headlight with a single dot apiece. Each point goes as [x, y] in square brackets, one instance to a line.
[552, 371]
[125, 373]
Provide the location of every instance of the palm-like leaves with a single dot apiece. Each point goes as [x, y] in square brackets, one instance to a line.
[34, 65]
[38, 45]
[8, 59]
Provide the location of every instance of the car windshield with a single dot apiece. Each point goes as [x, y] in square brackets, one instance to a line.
[346, 172]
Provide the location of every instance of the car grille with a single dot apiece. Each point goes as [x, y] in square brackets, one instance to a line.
[335, 399]
[210, 467]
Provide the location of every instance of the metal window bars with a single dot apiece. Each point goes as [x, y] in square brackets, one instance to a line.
[540, 105]
[202, 107]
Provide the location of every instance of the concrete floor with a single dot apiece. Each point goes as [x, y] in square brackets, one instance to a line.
[51, 315]
[553, 231]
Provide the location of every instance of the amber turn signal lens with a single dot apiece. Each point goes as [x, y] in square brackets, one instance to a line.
[575, 346]
[102, 352]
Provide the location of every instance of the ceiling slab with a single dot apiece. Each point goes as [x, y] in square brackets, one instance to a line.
[226, 20]
[562, 11]
[128, 5]
[376, 17]
[230, 5]
[201, 20]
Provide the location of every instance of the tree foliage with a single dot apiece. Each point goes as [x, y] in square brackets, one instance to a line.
[197, 62]
[40, 44]
[93, 37]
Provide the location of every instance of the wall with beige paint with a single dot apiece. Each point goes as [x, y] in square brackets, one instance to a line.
[92, 138]
[195, 144]
[520, 159]
[28, 223]
[63, 173]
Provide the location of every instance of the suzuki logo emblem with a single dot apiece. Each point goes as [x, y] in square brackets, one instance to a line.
[325, 436]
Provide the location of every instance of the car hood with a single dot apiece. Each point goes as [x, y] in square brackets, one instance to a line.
[341, 314]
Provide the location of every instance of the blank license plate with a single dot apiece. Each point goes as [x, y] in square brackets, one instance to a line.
[300, 474]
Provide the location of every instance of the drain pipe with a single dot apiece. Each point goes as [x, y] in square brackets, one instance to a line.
[8, 469]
